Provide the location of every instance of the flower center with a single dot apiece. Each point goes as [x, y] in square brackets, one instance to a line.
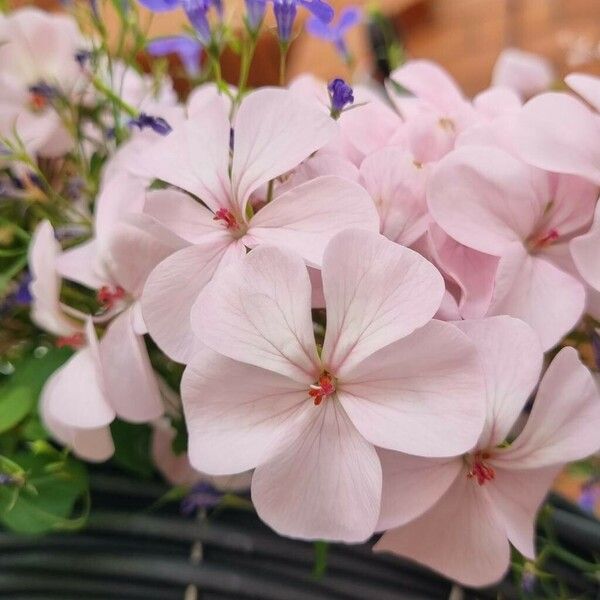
[108, 296]
[228, 218]
[480, 470]
[542, 240]
[37, 102]
[322, 389]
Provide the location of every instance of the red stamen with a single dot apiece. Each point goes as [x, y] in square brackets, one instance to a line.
[108, 296]
[225, 215]
[545, 240]
[75, 341]
[324, 388]
[38, 102]
[480, 470]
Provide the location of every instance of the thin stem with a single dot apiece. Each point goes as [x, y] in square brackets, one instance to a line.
[283, 50]
[247, 57]
[114, 98]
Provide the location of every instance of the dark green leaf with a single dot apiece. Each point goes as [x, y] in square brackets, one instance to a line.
[132, 448]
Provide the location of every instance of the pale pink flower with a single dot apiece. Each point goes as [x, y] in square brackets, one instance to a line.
[37, 58]
[260, 395]
[524, 72]
[558, 132]
[585, 250]
[496, 204]
[274, 132]
[458, 515]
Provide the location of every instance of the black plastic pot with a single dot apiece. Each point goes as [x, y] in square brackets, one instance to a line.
[130, 553]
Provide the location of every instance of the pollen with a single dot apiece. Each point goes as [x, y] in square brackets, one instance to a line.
[322, 389]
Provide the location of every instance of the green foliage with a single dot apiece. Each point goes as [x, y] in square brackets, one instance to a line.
[43, 492]
[132, 448]
[20, 391]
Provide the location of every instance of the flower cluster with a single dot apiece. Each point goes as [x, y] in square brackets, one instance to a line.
[372, 297]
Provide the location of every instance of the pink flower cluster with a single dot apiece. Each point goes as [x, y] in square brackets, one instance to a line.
[362, 306]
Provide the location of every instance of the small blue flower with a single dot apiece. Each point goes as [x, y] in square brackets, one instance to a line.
[590, 495]
[340, 95]
[285, 14]
[43, 90]
[157, 124]
[201, 496]
[186, 48]
[255, 13]
[82, 57]
[335, 33]
[196, 11]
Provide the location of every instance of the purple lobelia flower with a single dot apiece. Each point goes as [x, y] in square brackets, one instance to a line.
[336, 32]
[340, 95]
[285, 14]
[186, 48]
[201, 496]
[196, 11]
[255, 13]
[157, 124]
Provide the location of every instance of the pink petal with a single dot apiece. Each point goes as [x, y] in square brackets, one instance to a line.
[195, 157]
[325, 485]
[397, 186]
[559, 133]
[130, 380]
[524, 72]
[93, 445]
[564, 422]
[376, 293]
[135, 247]
[305, 218]
[473, 272]
[511, 357]
[461, 537]
[181, 214]
[203, 96]
[171, 290]
[78, 396]
[46, 311]
[423, 395]
[412, 485]
[82, 265]
[238, 416]
[585, 251]
[517, 497]
[274, 132]
[258, 312]
[587, 86]
[535, 291]
[496, 101]
[486, 209]
[429, 138]
[175, 468]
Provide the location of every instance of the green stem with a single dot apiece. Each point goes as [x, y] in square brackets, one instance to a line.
[114, 98]
[247, 57]
[283, 50]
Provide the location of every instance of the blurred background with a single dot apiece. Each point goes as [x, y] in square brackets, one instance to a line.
[464, 36]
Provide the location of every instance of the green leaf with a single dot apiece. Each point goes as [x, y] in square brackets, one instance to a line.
[20, 391]
[321, 557]
[47, 499]
[132, 448]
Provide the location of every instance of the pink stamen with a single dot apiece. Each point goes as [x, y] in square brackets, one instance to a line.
[38, 102]
[545, 240]
[75, 341]
[323, 389]
[108, 296]
[225, 215]
[480, 470]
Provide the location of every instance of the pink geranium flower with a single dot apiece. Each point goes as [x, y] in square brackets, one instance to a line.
[261, 395]
[464, 511]
[274, 132]
[496, 204]
[524, 72]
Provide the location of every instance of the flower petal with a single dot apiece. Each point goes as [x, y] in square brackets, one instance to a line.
[238, 416]
[325, 485]
[537, 292]
[195, 157]
[274, 132]
[587, 86]
[376, 292]
[130, 380]
[585, 251]
[461, 537]
[559, 133]
[423, 395]
[306, 217]
[258, 312]
[564, 422]
[412, 485]
[171, 290]
[511, 357]
[486, 209]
